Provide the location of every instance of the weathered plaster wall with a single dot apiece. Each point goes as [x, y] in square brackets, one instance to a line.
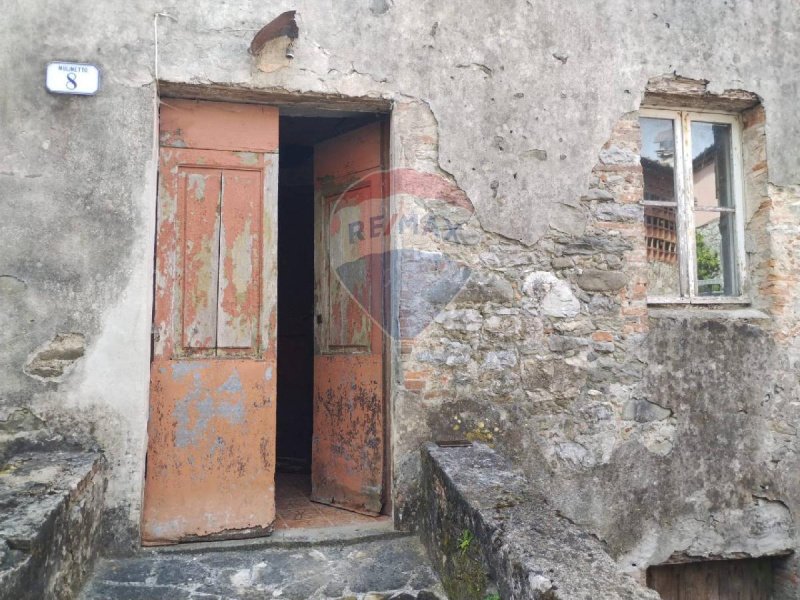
[77, 203]
[529, 79]
[550, 351]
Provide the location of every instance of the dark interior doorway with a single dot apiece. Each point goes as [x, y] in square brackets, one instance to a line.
[295, 306]
[295, 427]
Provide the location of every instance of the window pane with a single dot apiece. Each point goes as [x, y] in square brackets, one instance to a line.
[658, 159]
[711, 164]
[662, 251]
[716, 262]
[715, 232]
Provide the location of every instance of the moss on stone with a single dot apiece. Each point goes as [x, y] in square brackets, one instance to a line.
[464, 575]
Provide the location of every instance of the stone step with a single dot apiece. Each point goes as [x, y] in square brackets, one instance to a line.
[389, 568]
[50, 508]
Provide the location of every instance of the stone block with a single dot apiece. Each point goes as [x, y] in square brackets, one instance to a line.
[595, 280]
[50, 523]
[555, 295]
[482, 524]
[643, 411]
[565, 343]
[486, 287]
[460, 320]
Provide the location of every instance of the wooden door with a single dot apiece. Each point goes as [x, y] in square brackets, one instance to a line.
[348, 441]
[211, 448]
[745, 579]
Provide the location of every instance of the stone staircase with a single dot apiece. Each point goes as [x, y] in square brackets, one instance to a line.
[51, 506]
[483, 527]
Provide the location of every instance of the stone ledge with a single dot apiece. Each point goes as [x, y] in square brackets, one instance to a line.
[663, 311]
[481, 522]
[50, 506]
[383, 569]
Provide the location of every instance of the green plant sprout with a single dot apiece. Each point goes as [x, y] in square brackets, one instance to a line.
[465, 540]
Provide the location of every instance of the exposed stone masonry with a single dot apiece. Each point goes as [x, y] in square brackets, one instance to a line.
[642, 423]
[540, 361]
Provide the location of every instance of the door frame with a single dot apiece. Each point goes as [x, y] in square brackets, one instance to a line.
[309, 105]
[390, 309]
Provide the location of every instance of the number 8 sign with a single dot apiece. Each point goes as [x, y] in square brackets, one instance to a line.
[72, 78]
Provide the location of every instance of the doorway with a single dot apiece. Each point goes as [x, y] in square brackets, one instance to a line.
[267, 368]
[297, 191]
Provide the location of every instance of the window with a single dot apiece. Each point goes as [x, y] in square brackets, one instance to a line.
[691, 164]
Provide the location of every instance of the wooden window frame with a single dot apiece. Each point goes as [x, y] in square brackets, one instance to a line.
[684, 198]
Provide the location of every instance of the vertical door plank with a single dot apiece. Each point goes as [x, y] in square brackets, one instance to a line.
[746, 580]
[240, 258]
[693, 582]
[200, 191]
[763, 579]
[732, 584]
[664, 580]
[268, 329]
[710, 577]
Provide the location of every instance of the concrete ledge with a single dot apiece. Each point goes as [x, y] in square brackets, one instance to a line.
[50, 506]
[482, 526]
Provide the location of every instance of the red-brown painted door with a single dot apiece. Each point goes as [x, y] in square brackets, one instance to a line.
[348, 442]
[211, 448]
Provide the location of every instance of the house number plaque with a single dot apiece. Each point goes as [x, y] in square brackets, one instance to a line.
[72, 78]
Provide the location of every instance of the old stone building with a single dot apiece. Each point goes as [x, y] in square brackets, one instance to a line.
[296, 242]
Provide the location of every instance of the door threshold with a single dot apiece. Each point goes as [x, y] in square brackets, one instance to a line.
[289, 538]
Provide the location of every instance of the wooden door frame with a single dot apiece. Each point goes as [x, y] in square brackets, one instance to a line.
[309, 105]
[389, 300]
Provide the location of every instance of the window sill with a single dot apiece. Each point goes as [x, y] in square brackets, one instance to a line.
[699, 301]
[694, 311]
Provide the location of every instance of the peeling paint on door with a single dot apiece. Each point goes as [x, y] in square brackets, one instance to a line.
[211, 449]
[348, 440]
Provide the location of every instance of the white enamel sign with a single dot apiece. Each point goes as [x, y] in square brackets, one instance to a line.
[72, 78]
